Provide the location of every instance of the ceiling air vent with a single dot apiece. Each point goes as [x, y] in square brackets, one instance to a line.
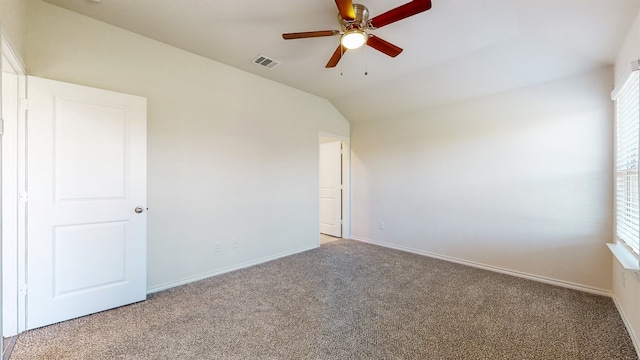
[264, 61]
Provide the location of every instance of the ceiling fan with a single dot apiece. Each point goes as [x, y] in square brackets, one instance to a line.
[354, 20]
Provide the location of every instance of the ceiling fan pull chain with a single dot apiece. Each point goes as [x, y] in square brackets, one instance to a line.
[366, 62]
[341, 54]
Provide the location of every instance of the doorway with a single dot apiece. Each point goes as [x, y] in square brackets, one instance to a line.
[333, 178]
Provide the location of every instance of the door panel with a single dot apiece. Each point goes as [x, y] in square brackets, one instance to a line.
[86, 164]
[94, 249]
[90, 166]
[331, 188]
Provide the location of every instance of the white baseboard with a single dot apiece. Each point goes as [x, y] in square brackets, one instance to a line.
[634, 337]
[561, 283]
[191, 279]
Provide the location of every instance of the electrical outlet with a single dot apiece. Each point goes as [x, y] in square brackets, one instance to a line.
[381, 225]
[218, 247]
[234, 243]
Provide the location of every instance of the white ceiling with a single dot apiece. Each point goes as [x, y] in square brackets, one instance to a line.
[457, 50]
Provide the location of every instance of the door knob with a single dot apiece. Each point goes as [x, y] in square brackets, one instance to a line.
[138, 210]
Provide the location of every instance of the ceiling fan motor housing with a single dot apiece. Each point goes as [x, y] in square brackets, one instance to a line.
[360, 21]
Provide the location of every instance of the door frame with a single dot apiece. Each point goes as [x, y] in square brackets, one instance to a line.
[14, 266]
[346, 181]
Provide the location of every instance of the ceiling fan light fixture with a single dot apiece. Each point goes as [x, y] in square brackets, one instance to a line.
[353, 39]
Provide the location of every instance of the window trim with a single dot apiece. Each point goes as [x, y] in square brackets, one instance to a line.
[625, 252]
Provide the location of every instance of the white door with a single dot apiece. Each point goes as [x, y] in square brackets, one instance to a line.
[86, 166]
[331, 188]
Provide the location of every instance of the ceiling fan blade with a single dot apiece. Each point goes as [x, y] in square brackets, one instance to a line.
[384, 46]
[401, 12]
[337, 55]
[309, 34]
[346, 9]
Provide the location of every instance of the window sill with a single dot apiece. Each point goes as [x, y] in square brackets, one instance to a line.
[627, 259]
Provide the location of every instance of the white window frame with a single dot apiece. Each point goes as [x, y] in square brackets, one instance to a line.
[627, 166]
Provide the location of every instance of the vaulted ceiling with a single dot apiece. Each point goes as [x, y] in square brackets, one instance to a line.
[458, 49]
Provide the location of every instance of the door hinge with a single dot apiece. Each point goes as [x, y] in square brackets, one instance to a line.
[1, 126]
[23, 290]
[23, 196]
[24, 104]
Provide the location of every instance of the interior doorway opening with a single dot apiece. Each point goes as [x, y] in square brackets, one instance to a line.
[333, 181]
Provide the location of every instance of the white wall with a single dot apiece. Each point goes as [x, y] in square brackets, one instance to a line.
[232, 156]
[519, 181]
[626, 286]
[629, 50]
[13, 17]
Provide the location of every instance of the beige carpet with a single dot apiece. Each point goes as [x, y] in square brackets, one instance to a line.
[346, 300]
